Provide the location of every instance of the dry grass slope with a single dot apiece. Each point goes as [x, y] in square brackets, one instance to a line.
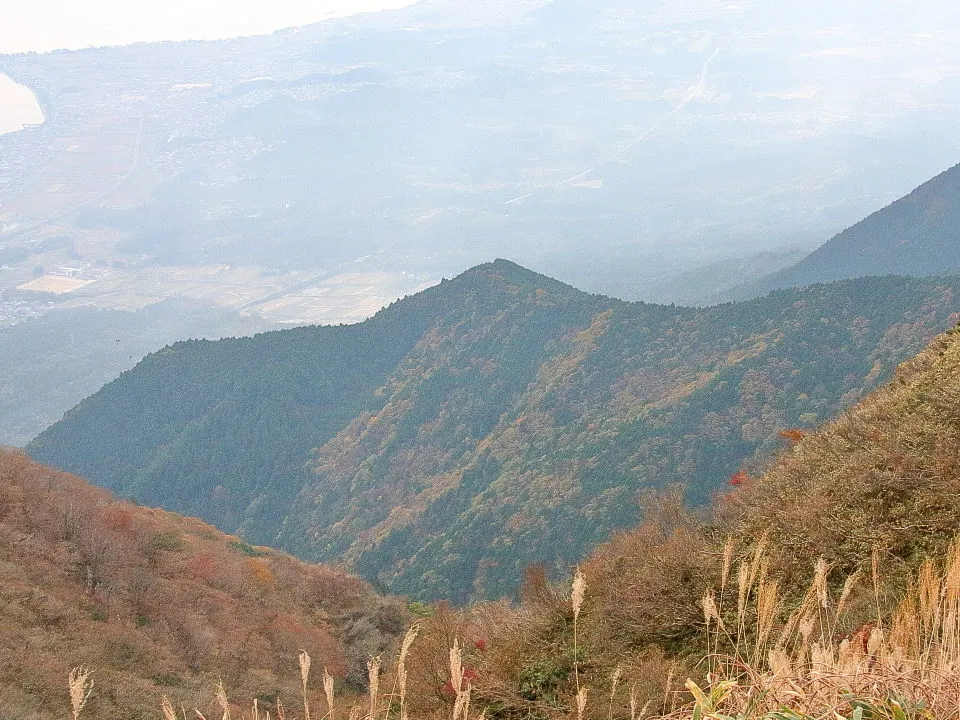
[157, 604]
[883, 475]
[764, 662]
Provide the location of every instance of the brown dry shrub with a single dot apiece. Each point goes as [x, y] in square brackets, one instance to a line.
[156, 604]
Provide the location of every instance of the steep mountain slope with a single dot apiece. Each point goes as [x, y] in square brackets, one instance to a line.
[882, 477]
[496, 420]
[874, 491]
[919, 234]
[155, 603]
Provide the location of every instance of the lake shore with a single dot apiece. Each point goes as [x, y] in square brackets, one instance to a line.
[19, 107]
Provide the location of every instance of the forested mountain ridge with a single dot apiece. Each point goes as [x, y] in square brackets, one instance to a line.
[158, 604]
[919, 234]
[496, 420]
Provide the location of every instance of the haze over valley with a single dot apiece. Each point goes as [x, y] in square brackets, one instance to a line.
[615, 147]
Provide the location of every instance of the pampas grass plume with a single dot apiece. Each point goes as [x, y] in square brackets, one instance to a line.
[304, 676]
[328, 692]
[576, 595]
[80, 688]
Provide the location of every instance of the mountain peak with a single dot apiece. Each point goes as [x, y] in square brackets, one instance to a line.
[508, 274]
[918, 235]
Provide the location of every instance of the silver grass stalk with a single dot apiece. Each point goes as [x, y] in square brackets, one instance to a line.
[845, 593]
[743, 588]
[373, 678]
[221, 695]
[304, 659]
[328, 692]
[576, 599]
[456, 666]
[581, 702]
[80, 686]
[167, 708]
[402, 668]
[577, 592]
[614, 680]
[820, 570]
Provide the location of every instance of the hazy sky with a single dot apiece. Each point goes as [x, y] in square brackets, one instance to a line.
[53, 24]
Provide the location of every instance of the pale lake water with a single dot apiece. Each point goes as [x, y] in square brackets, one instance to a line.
[18, 106]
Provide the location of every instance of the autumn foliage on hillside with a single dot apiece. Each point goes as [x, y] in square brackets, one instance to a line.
[157, 604]
[851, 513]
[497, 420]
[825, 587]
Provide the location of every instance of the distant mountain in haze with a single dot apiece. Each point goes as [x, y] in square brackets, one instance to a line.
[496, 420]
[50, 363]
[918, 235]
[660, 151]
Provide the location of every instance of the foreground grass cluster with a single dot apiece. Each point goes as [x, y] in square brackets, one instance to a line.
[798, 667]
[765, 660]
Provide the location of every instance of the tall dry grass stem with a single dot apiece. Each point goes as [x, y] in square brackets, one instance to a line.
[614, 681]
[800, 668]
[758, 562]
[743, 589]
[848, 586]
[577, 592]
[456, 665]
[166, 707]
[328, 693]
[81, 686]
[581, 702]
[373, 685]
[875, 577]
[461, 705]
[402, 668]
[768, 608]
[221, 696]
[668, 687]
[304, 659]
